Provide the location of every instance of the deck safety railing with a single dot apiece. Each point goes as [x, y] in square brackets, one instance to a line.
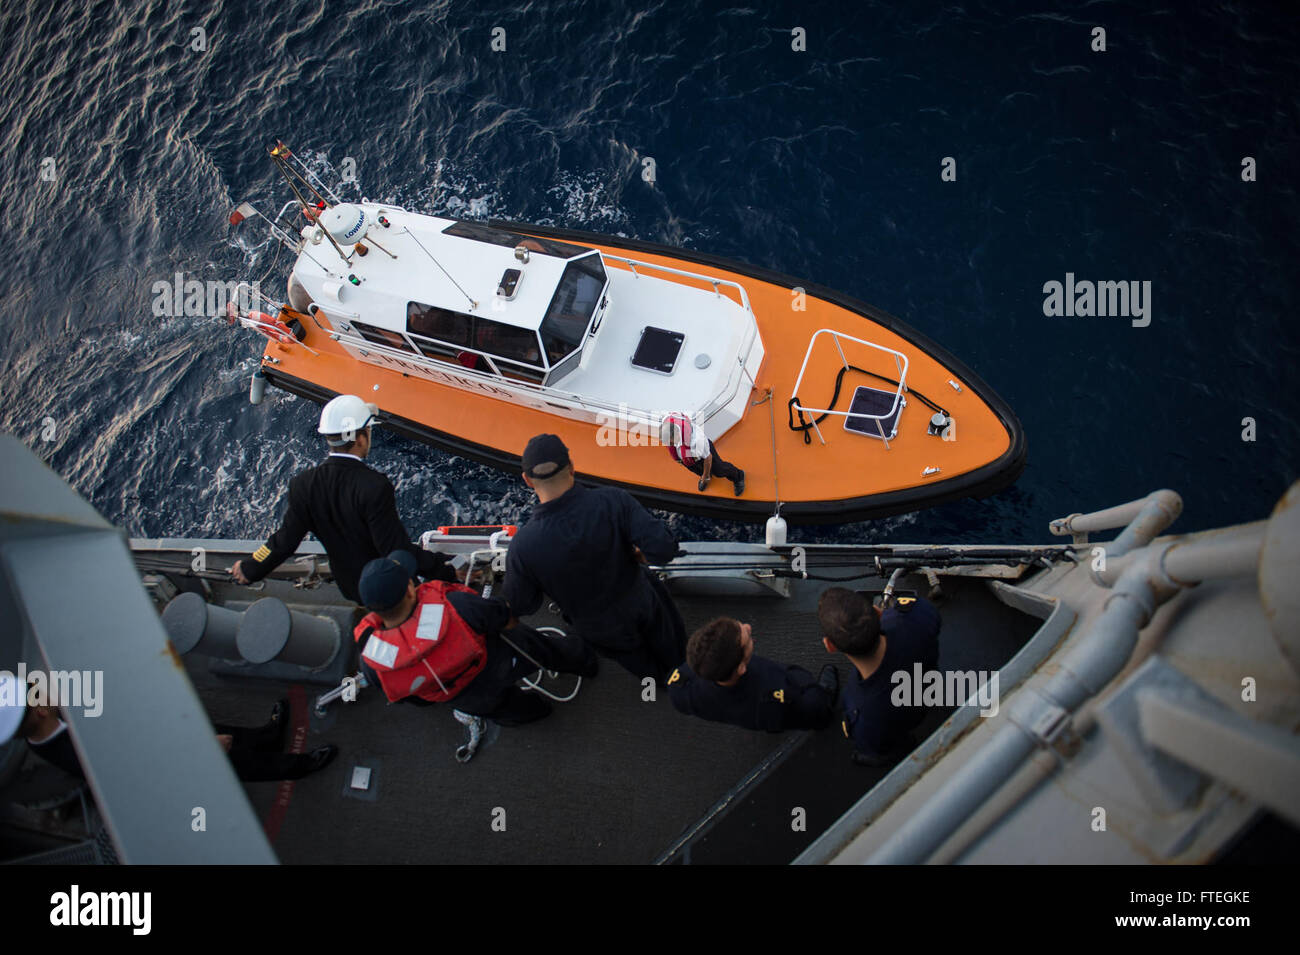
[900, 363]
[715, 282]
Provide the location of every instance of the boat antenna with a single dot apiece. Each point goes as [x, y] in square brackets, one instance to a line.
[280, 157]
[472, 304]
[304, 169]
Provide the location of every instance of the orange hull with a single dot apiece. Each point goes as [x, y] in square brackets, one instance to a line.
[850, 477]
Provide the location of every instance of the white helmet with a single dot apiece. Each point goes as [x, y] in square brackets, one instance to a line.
[343, 417]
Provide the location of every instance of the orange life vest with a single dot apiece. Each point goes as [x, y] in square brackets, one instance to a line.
[433, 655]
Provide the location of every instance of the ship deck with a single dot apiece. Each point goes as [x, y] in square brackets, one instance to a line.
[608, 778]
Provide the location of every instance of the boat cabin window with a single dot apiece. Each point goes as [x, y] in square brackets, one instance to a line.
[519, 372]
[516, 344]
[440, 323]
[484, 233]
[572, 307]
[448, 335]
[382, 336]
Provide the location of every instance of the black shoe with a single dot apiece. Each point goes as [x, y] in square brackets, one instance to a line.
[320, 758]
[270, 736]
[829, 680]
[740, 484]
[703, 483]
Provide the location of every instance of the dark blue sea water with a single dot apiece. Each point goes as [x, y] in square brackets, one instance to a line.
[825, 164]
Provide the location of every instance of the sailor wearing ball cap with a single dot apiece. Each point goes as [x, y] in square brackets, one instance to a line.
[350, 507]
[585, 547]
[437, 642]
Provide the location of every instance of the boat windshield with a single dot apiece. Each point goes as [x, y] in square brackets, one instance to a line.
[572, 306]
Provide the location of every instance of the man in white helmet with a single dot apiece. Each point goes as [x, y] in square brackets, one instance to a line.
[350, 507]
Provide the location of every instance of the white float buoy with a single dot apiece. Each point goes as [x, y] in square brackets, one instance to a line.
[257, 388]
[776, 531]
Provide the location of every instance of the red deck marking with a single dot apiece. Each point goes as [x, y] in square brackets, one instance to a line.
[280, 808]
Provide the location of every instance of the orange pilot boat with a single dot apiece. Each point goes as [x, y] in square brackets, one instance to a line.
[474, 336]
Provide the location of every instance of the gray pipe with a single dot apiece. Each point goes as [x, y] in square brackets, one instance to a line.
[1195, 557]
[1145, 518]
[271, 631]
[1177, 563]
[1158, 511]
[196, 626]
[1034, 717]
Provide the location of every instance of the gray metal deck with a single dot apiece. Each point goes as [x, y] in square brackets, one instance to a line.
[609, 778]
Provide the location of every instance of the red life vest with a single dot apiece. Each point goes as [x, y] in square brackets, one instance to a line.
[433, 655]
[682, 453]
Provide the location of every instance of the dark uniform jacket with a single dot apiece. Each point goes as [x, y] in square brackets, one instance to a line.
[352, 510]
[578, 549]
[877, 727]
[767, 696]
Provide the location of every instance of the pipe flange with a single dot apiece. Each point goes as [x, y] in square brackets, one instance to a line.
[1038, 716]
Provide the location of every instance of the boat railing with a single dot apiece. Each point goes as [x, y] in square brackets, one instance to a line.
[738, 371]
[586, 402]
[900, 363]
[711, 279]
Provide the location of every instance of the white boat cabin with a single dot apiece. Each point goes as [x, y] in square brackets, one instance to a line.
[533, 321]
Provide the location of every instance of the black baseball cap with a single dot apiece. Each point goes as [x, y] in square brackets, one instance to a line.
[383, 580]
[544, 456]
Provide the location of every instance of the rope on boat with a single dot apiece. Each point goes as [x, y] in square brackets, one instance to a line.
[771, 419]
[806, 426]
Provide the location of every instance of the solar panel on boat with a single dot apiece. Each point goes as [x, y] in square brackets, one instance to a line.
[873, 401]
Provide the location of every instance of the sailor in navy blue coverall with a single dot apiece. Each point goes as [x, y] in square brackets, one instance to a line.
[723, 680]
[586, 548]
[879, 644]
